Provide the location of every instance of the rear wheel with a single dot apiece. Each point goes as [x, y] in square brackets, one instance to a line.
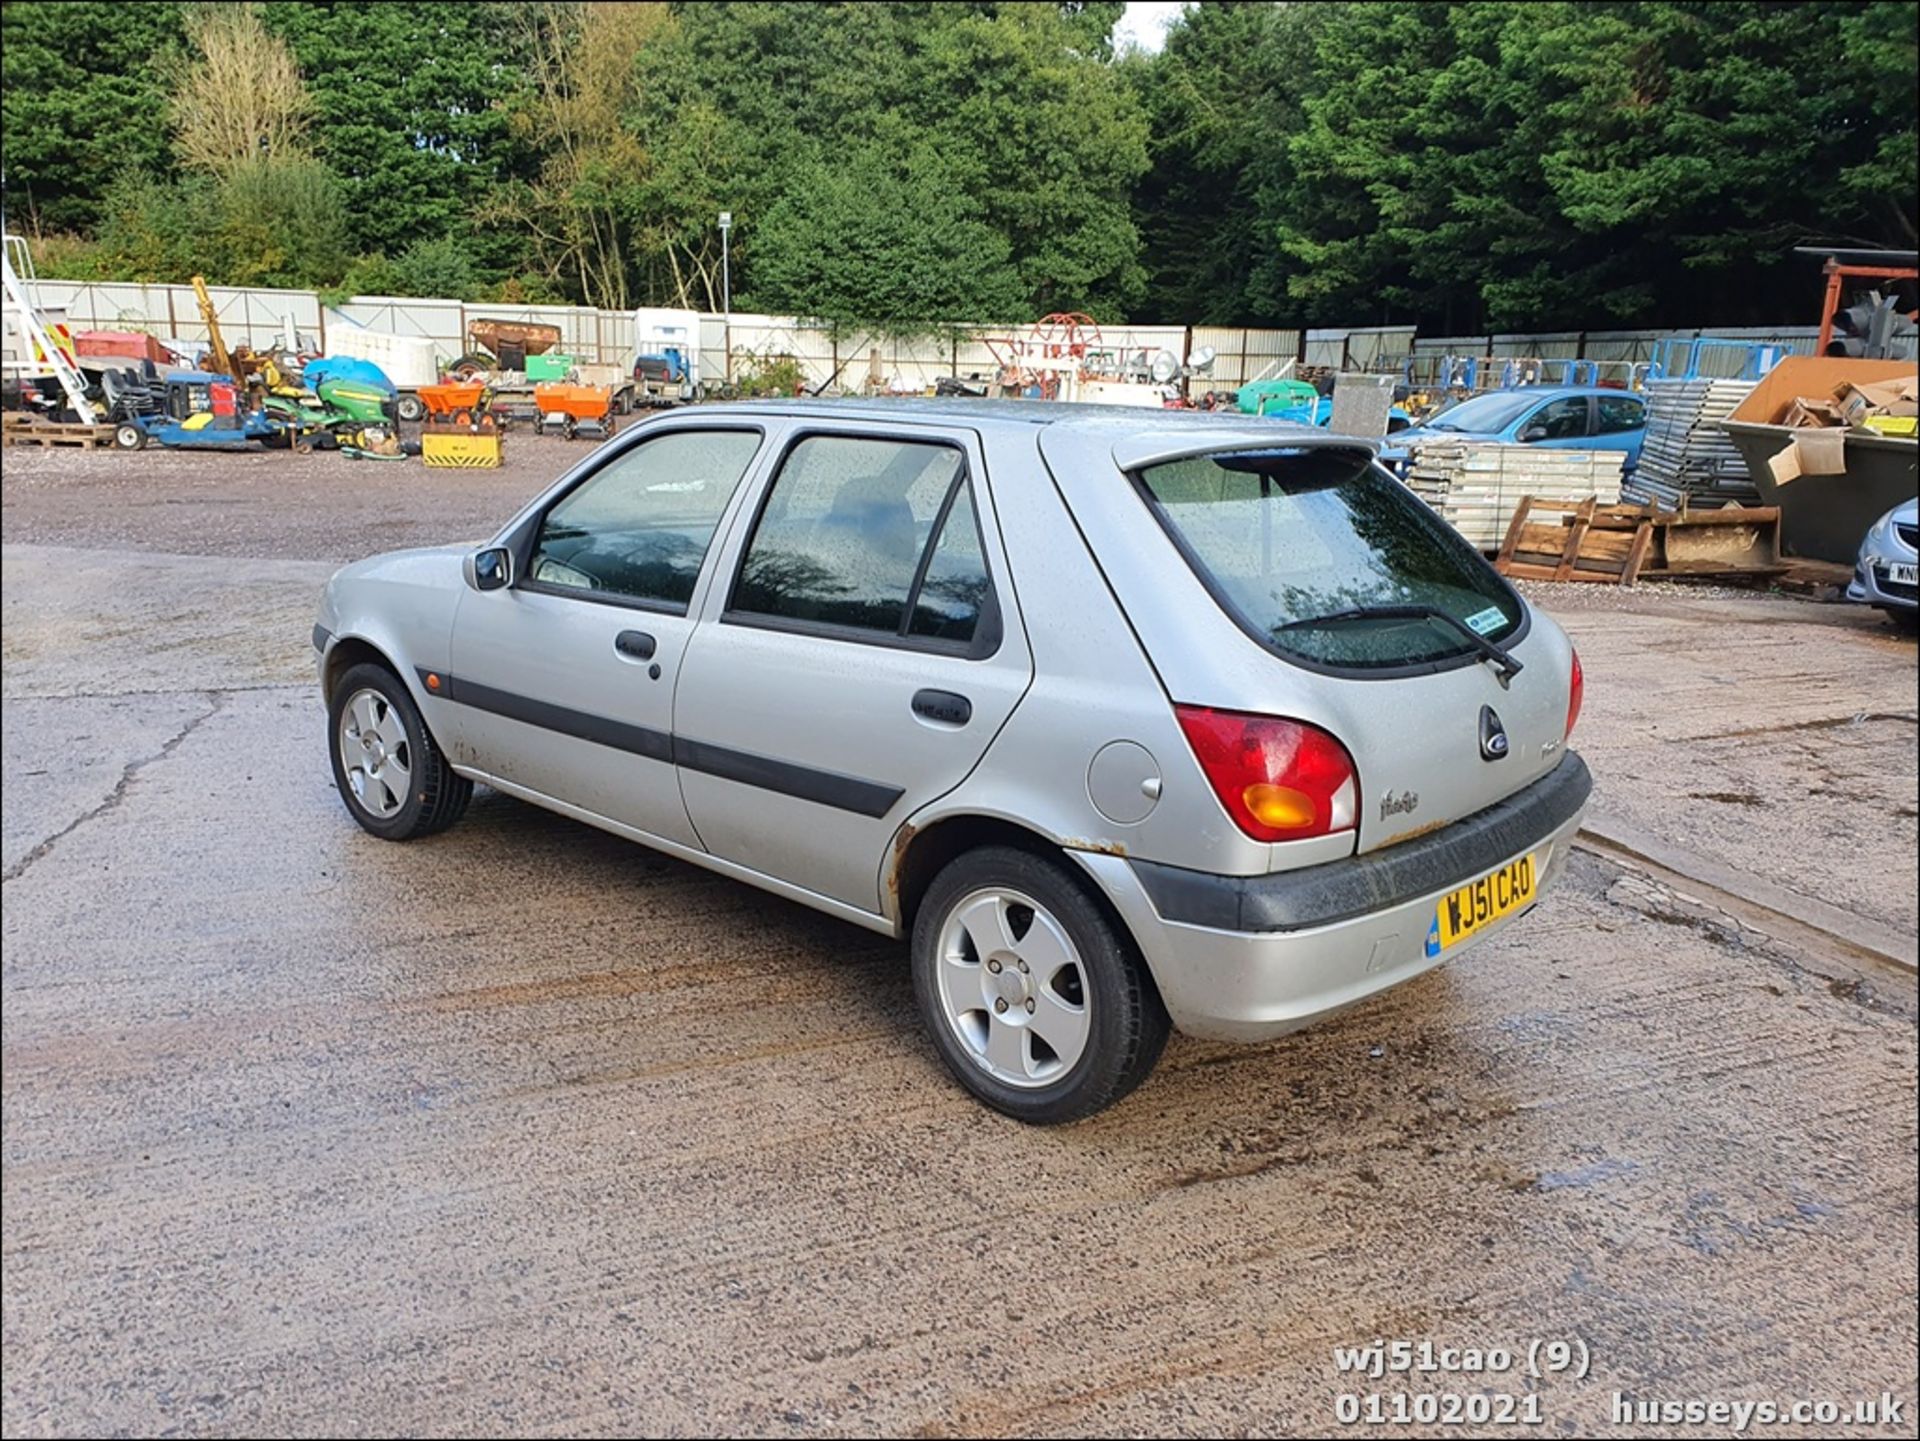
[1036, 1000]
[392, 775]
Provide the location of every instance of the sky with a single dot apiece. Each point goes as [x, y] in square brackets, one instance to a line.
[1146, 24]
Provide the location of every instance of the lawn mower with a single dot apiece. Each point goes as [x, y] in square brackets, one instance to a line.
[345, 412]
[193, 409]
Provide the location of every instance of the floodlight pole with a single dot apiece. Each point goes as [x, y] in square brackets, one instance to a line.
[726, 288]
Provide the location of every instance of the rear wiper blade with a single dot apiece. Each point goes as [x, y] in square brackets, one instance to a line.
[1502, 660]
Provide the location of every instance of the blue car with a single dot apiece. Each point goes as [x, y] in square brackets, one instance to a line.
[1563, 417]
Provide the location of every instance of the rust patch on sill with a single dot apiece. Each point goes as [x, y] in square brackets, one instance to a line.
[1104, 848]
[1413, 835]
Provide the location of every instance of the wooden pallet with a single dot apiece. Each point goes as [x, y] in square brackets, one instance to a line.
[1606, 544]
[1620, 544]
[25, 430]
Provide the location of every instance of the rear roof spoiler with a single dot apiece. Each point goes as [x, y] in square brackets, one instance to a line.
[1157, 447]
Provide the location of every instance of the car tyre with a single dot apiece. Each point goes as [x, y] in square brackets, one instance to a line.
[1016, 967]
[391, 773]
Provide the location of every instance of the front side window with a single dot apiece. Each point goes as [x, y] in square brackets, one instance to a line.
[1621, 412]
[638, 530]
[1564, 419]
[868, 535]
[1305, 546]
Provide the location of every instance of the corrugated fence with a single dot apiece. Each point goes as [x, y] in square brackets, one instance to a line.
[731, 346]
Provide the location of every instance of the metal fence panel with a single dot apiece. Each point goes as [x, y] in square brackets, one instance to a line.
[250, 317]
[728, 346]
[1242, 356]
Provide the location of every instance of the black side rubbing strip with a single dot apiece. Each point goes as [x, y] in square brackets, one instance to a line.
[655, 745]
[1361, 885]
[827, 788]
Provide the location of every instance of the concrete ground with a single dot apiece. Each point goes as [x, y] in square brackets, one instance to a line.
[525, 1128]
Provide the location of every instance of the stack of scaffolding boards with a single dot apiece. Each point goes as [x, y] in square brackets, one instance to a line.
[1476, 487]
[1687, 457]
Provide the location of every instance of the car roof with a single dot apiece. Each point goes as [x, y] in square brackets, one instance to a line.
[1547, 392]
[1112, 421]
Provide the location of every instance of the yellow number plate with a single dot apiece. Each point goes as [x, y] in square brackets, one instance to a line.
[1478, 904]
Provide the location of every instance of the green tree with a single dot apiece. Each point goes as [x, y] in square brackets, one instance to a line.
[1222, 98]
[1483, 165]
[883, 244]
[82, 105]
[1031, 119]
[411, 111]
[435, 265]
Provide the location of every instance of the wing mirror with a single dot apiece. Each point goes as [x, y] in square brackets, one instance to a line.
[1533, 433]
[490, 569]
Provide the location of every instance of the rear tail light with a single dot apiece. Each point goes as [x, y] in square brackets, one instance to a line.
[1576, 693]
[1280, 780]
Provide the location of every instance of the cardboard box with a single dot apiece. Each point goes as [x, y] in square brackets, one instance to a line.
[1807, 411]
[1818, 450]
[1813, 375]
[1858, 400]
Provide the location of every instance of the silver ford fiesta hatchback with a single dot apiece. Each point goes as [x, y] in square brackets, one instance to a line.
[1125, 719]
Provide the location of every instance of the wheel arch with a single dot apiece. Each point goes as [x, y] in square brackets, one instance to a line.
[921, 849]
[348, 651]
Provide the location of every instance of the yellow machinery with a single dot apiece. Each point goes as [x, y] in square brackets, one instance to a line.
[222, 359]
[460, 449]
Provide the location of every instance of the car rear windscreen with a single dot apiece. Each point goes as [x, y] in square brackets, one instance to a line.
[1299, 544]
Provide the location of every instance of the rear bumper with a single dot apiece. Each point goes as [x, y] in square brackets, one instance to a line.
[1249, 958]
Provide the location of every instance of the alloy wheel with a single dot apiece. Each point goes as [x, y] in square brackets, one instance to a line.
[1012, 987]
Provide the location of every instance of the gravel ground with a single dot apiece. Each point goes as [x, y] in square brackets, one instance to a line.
[528, 1129]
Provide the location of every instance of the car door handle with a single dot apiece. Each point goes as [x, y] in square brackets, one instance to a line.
[943, 706]
[634, 644]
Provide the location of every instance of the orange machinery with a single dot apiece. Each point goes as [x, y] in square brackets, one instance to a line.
[574, 409]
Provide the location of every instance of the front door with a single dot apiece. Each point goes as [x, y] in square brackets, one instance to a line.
[564, 680]
[864, 652]
[1563, 424]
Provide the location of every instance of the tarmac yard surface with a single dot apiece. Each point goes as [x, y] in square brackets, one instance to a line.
[526, 1128]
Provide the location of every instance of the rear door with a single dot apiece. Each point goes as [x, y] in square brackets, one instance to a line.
[861, 651]
[564, 680]
[1620, 423]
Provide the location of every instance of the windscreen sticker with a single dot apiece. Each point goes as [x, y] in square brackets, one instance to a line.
[1492, 618]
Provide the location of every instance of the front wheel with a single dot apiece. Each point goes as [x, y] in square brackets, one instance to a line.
[128, 436]
[411, 409]
[392, 775]
[1037, 1001]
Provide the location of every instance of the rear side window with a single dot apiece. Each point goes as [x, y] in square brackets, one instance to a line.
[872, 537]
[1620, 412]
[638, 530]
[1297, 545]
